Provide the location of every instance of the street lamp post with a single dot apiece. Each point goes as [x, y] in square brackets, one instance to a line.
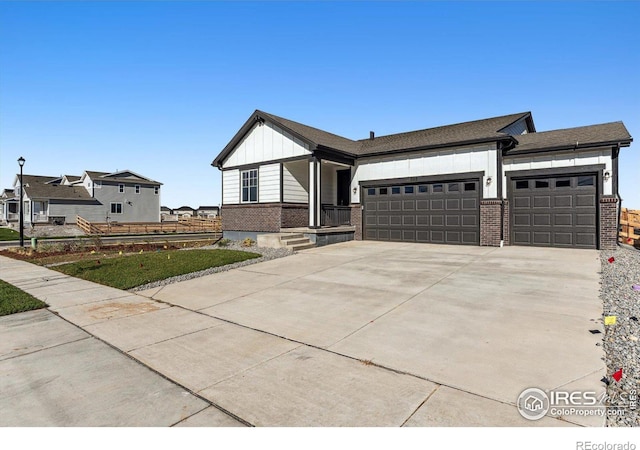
[21, 162]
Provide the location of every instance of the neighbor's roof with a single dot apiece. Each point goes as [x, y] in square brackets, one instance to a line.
[106, 176]
[588, 136]
[208, 207]
[184, 208]
[36, 186]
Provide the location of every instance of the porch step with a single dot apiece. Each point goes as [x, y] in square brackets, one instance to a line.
[296, 241]
[290, 242]
[297, 247]
[293, 241]
[292, 236]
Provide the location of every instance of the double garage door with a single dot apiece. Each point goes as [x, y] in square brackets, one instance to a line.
[439, 212]
[558, 211]
[549, 211]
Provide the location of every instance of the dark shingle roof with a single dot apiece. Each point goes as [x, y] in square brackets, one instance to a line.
[577, 137]
[315, 135]
[104, 176]
[477, 130]
[36, 186]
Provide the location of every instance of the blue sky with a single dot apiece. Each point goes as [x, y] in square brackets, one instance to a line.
[161, 87]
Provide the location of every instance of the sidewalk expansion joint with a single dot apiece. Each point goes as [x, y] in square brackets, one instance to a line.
[420, 405]
[186, 389]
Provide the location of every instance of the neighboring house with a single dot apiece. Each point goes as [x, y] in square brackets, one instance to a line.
[487, 182]
[96, 196]
[8, 206]
[208, 211]
[166, 214]
[184, 211]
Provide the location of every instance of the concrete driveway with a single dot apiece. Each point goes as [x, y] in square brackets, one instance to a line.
[473, 326]
[362, 333]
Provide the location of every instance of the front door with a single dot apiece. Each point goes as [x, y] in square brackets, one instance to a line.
[344, 182]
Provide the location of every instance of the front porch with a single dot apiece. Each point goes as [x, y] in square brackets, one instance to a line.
[325, 235]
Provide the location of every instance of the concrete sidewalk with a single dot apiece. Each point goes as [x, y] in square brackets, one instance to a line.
[354, 334]
[54, 374]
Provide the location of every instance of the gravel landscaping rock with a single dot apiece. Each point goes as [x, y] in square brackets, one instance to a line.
[267, 254]
[620, 342]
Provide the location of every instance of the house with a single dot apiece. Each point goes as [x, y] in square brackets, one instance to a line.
[184, 211]
[8, 206]
[495, 181]
[96, 196]
[166, 214]
[208, 211]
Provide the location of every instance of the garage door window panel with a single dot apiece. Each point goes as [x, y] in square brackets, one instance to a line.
[556, 211]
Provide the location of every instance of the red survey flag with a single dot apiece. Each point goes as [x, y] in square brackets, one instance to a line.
[617, 375]
[612, 259]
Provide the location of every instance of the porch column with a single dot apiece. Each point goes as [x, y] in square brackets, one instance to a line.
[315, 202]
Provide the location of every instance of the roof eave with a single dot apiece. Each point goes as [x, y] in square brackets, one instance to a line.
[257, 116]
[573, 147]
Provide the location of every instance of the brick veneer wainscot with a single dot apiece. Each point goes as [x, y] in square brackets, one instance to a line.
[608, 223]
[264, 217]
[253, 217]
[490, 222]
[294, 216]
[356, 221]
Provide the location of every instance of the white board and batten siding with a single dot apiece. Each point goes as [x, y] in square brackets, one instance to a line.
[295, 182]
[266, 142]
[230, 187]
[269, 183]
[561, 161]
[450, 161]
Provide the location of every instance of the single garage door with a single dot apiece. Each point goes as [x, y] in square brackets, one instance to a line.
[442, 212]
[554, 211]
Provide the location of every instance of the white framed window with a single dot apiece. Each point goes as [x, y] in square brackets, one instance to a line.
[249, 186]
[137, 186]
[156, 190]
[116, 208]
[121, 188]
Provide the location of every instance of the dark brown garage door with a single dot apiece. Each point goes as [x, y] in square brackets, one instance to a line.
[554, 211]
[442, 212]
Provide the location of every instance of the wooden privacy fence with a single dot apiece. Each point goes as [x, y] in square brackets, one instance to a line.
[629, 226]
[184, 225]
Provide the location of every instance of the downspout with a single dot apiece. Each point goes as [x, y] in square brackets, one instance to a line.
[500, 188]
[615, 154]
